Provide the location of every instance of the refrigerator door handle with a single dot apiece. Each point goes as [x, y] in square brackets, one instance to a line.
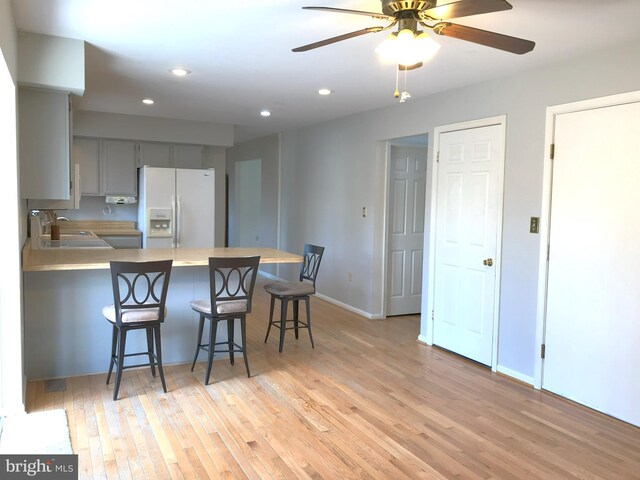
[173, 220]
[179, 221]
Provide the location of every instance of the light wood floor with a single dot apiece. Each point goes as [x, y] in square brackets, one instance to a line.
[368, 402]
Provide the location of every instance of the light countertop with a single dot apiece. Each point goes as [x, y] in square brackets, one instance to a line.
[100, 227]
[95, 259]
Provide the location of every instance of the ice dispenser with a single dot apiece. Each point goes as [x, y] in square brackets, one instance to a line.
[160, 222]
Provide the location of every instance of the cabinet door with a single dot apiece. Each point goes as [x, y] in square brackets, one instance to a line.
[188, 156]
[86, 153]
[119, 167]
[45, 171]
[155, 154]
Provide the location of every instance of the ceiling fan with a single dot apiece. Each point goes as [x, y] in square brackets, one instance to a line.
[408, 14]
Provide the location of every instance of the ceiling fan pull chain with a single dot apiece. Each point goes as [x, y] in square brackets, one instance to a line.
[396, 94]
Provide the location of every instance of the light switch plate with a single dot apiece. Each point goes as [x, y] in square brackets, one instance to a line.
[534, 225]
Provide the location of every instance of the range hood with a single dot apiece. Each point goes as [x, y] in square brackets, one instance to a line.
[120, 200]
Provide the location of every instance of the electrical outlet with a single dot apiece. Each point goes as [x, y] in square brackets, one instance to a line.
[534, 225]
[350, 276]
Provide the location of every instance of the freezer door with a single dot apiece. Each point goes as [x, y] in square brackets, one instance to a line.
[195, 196]
[157, 191]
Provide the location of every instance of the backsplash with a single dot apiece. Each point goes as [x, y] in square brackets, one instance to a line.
[94, 208]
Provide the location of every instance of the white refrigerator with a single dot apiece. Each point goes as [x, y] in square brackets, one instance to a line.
[176, 207]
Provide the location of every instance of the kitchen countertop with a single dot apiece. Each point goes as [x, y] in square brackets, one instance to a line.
[52, 259]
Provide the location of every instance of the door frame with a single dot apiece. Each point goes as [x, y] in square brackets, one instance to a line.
[545, 210]
[500, 120]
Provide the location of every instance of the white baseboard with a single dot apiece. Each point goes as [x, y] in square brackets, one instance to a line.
[350, 308]
[513, 374]
[423, 339]
[269, 275]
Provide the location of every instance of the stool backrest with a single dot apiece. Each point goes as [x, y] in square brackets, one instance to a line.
[311, 263]
[232, 279]
[138, 285]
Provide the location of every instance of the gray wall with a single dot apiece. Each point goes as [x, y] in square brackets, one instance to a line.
[12, 380]
[331, 170]
[266, 149]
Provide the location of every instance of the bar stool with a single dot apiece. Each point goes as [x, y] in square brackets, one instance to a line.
[231, 282]
[295, 292]
[139, 294]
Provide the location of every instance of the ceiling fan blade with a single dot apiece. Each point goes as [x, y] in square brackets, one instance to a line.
[484, 37]
[464, 8]
[339, 38]
[378, 16]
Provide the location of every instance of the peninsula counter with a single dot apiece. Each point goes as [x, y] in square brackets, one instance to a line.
[65, 290]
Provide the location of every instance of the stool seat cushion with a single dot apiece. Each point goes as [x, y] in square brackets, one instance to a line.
[289, 289]
[133, 316]
[223, 308]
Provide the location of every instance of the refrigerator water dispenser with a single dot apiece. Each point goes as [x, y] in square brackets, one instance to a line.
[160, 222]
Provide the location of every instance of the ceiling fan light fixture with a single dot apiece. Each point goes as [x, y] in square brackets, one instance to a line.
[265, 113]
[407, 48]
[324, 91]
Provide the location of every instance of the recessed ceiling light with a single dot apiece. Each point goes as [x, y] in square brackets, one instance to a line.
[180, 72]
[324, 91]
[148, 101]
[265, 113]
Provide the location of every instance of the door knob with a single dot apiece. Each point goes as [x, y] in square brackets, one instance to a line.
[488, 262]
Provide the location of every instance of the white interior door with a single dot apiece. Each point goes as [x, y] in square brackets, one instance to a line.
[592, 329]
[406, 229]
[248, 203]
[468, 216]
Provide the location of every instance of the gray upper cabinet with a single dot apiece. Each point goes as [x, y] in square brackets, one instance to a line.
[45, 160]
[188, 156]
[119, 167]
[155, 154]
[86, 153]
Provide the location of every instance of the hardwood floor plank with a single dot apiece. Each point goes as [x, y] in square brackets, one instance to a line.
[368, 402]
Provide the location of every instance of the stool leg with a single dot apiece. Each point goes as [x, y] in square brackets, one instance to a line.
[273, 300]
[309, 321]
[212, 347]
[283, 321]
[243, 331]
[230, 325]
[150, 350]
[295, 317]
[122, 338]
[198, 342]
[114, 343]
[156, 330]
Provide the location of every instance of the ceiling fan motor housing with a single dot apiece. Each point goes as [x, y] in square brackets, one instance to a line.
[392, 7]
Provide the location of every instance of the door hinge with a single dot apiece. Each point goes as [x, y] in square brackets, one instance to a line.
[542, 350]
[433, 316]
[438, 157]
[548, 251]
[552, 152]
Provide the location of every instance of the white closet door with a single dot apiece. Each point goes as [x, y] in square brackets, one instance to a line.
[468, 215]
[592, 331]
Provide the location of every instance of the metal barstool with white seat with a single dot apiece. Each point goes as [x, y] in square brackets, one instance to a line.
[139, 294]
[231, 282]
[295, 292]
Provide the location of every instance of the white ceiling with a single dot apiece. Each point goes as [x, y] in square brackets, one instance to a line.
[241, 60]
